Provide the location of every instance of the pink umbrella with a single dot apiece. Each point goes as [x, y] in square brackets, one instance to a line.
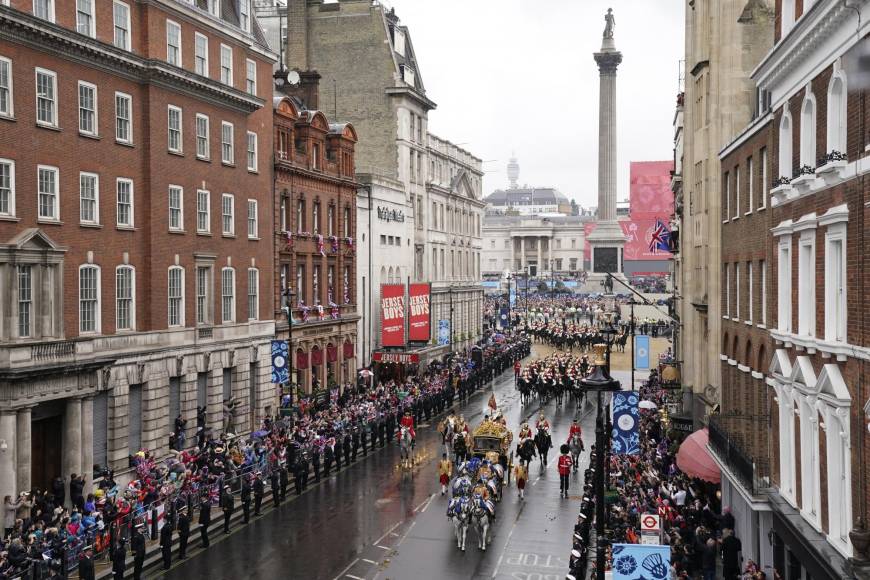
[694, 459]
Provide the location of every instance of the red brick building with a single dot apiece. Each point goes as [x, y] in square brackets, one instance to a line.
[315, 249]
[136, 269]
[792, 433]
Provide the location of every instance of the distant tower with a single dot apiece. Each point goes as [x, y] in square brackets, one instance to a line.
[513, 170]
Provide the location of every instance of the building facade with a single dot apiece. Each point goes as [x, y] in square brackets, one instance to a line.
[725, 39]
[795, 195]
[545, 244]
[315, 243]
[134, 192]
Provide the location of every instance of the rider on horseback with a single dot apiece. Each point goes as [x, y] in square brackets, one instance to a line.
[575, 428]
[542, 423]
[408, 421]
[525, 433]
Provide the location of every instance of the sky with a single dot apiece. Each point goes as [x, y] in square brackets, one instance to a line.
[519, 76]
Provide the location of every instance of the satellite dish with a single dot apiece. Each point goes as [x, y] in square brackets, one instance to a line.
[293, 77]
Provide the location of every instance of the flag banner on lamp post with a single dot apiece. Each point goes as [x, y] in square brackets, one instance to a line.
[625, 439]
[504, 318]
[419, 329]
[280, 356]
[641, 561]
[641, 352]
[512, 297]
[443, 332]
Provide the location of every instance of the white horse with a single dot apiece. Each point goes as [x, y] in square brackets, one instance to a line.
[406, 447]
[481, 512]
[449, 434]
[575, 444]
[459, 511]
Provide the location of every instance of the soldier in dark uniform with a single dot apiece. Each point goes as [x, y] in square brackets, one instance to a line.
[166, 544]
[328, 457]
[259, 491]
[228, 504]
[364, 437]
[285, 481]
[275, 481]
[373, 429]
[382, 430]
[246, 498]
[315, 462]
[390, 427]
[86, 565]
[137, 546]
[119, 559]
[355, 441]
[204, 520]
[183, 531]
[347, 446]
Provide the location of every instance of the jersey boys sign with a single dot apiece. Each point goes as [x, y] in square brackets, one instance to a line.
[393, 315]
[418, 323]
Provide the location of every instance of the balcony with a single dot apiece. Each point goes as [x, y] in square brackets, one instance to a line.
[753, 474]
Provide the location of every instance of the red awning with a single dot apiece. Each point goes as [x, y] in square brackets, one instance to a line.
[331, 353]
[348, 350]
[694, 459]
[301, 359]
[316, 357]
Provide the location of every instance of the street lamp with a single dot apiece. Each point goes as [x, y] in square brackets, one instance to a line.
[600, 382]
[287, 307]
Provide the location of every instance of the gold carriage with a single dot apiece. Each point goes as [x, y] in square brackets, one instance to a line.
[492, 441]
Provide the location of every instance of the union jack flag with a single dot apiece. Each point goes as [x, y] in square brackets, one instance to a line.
[660, 239]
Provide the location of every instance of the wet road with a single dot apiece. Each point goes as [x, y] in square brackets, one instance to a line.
[374, 521]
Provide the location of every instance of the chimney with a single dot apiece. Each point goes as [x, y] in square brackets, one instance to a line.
[307, 90]
[297, 34]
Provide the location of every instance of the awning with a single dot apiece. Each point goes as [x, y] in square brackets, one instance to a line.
[694, 459]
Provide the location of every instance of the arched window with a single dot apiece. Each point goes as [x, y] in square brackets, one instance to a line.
[747, 358]
[837, 113]
[785, 143]
[125, 298]
[89, 299]
[808, 131]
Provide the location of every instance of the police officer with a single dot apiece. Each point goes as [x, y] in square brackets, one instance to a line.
[228, 504]
[259, 492]
[284, 476]
[303, 469]
[315, 461]
[183, 531]
[119, 559]
[86, 564]
[246, 498]
[166, 544]
[355, 441]
[204, 520]
[137, 546]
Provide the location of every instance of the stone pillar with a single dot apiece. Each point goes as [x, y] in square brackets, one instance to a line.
[539, 245]
[88, 440]
[522, 253]
[72, 440]
[550, 253]
[513, 253]
[23, 450]
[608, 60]
[7, 456]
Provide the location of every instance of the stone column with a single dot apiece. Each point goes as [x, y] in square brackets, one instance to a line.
[522, 252]
[23, 450]
[539, 245]
[608, 60]
[7, 456]
[550, 252]
[513, 253]
[88, 439]
[72, 440]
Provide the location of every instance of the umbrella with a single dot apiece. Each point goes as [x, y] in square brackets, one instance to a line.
[694, 459]
[365, 373]
[259, 434]
[647, 405]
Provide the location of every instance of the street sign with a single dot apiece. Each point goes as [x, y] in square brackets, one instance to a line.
[650, 523]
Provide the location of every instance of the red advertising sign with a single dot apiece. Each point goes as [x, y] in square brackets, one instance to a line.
[392, 314]
[419, 320]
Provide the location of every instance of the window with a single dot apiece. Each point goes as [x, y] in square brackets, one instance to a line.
[807, 284]
[283, 214]
[330, 220]
[300, 285]
[203, 211]
[836, 134]
[245, 15]
[6, 109]
[315, 217]
[227, 214]
[726, 181]
[89, 299]
[203, 291]
[808, 132]
[125, 289]
[122, 25]
[737, 192]
[174, 134]
[835, 283]
[253, 294]
[44, 9]
[46, 97]
[750, 170]
[227, 155]
[251, 76]
[176, 208]
[226, 65]
[727, 290]
[125, 202]
[300, 216]
[48, 192]
[762, 265]
[176, 296]
[25, 300]
[252, 151]
[253, 221]
[787, 18]
[202, 137]
[89, 198]
[123, 121]
[173, 43]
[750, 304]
[85, 18]
[200, 57]
[228, 295]
[7, 187]
[347, 223]
[762, 198]
[784, 285]
[315, 285]
[87, 108]
[315, 156]
[786, 165]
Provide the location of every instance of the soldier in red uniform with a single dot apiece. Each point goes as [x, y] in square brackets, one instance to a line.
[408, 421]
[575, 428]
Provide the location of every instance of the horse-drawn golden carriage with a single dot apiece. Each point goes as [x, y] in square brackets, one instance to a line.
[492, 441]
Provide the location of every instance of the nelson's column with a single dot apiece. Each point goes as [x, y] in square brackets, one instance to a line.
[607, 240]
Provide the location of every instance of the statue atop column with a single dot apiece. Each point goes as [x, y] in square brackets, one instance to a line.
[610, 23]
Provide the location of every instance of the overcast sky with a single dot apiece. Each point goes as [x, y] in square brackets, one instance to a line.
[518, 75]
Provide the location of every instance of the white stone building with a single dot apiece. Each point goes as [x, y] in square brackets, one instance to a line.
[543, 243]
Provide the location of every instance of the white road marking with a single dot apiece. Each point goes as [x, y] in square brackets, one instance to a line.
[369, 561]
[394, 534]
[503, 550]
[399, 543]
[352, 576]
[428, 499]
[387, 533]
[382, 547]
[349, 566]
